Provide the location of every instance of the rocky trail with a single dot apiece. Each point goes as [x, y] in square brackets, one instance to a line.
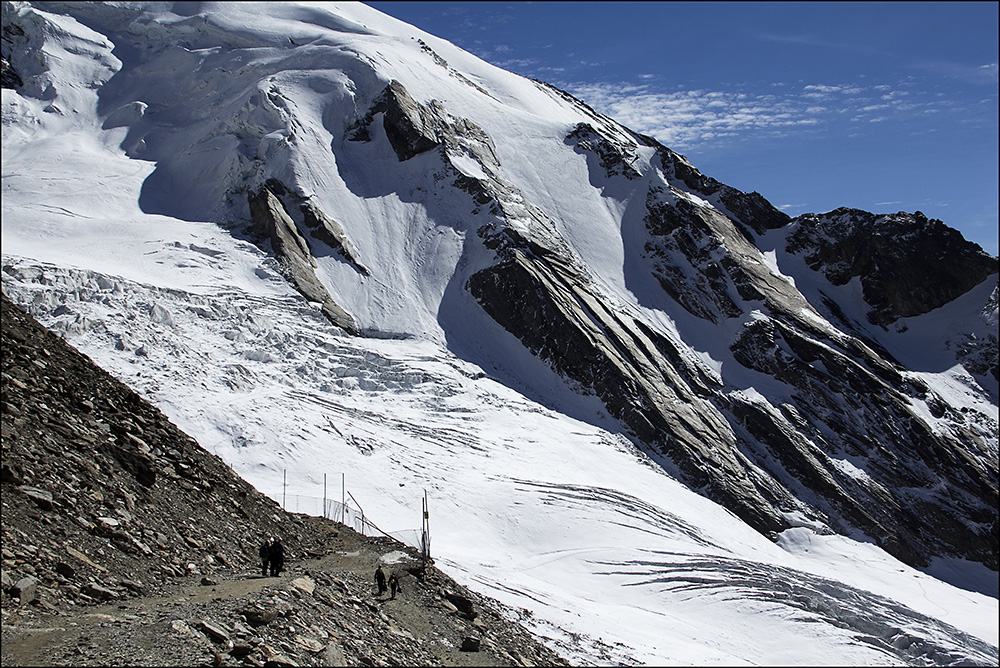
[323, 611]
[126, 543]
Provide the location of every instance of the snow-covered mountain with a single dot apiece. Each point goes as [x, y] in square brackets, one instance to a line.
[669, 421]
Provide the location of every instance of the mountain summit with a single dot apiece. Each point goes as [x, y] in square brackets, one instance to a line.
[183, 164]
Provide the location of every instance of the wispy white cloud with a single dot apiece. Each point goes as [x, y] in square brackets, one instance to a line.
[686, 119]
[825, 91]
[983, 75]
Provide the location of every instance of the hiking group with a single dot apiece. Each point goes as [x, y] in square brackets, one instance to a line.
[272, 554]
[380, 582]
[272, 557]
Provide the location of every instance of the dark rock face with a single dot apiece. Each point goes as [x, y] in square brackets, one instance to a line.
[750, 210]
[14, 41]
[321, 227]
[616, 158]
[271, 220]
[561, 321]
[843, 410]
[8, 76]
[409, 131]
[560, 316]
[413, 128]
[683, 249]
[847, 402]
[908, 265]
[330, 232]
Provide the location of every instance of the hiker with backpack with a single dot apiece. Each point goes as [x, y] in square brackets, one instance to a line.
[265, 555]
[394, 585]
[277, 557]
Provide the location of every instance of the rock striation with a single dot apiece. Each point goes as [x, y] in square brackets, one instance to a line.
[271, 220]
[845, 399]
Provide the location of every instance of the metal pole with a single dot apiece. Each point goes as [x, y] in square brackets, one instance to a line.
[324, 495]
[343, 501]
[425, 542]
[284, 486]
[362, 532]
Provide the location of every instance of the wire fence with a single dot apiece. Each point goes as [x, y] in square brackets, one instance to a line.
[353, 516]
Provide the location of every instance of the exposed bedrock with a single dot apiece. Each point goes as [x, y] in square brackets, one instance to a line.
[319, 225]
[849, 447]
[853, 438]
[413, 128]
[560, 319]
[846, 448]
[908, 264]
[272, 221]
[748, 210]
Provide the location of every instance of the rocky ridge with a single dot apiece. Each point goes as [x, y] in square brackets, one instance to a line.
[908, 264]
[124, 542]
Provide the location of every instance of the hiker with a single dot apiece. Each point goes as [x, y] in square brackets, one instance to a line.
[380, 579]
[265, 555]
[277, 556]
[394, 584]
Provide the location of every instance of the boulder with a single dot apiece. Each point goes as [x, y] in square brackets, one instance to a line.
[304, 585]
[42, 498]
[24, 590]
[240, 650]
[257, 617]
[65, 570]
[98, 592]
[213, 630]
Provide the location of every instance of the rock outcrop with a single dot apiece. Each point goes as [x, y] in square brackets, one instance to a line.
[413, 128]
[908, 265]
[271, 220]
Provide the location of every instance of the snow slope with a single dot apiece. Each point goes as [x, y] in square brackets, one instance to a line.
[112, 199]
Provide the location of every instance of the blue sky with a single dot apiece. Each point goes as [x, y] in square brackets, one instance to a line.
[879, 106]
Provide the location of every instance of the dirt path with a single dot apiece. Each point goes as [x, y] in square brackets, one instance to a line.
[95, 632]
[135, 546]
[340, 622]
